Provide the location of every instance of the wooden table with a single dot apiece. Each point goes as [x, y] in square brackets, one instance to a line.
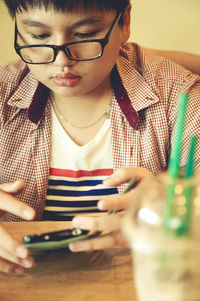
[64, 276]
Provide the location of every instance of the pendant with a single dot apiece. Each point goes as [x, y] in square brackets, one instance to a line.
[107, 113]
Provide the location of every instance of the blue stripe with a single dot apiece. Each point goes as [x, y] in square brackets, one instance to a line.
[74, 211]
[82, 193]
[71, 203]
[74, 183]
[52, 216]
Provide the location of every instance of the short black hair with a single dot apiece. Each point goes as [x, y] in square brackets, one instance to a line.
[65, 5]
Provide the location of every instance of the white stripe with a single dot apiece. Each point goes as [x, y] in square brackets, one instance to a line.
[78, 188]
[60, 209]
[86, 178]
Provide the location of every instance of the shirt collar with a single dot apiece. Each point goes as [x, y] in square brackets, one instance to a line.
[31, 95]
[131, 91]
[129, 67]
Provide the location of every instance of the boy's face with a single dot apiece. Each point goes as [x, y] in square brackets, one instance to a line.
[64, 76]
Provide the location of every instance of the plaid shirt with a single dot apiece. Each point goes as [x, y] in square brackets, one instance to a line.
[142, 120]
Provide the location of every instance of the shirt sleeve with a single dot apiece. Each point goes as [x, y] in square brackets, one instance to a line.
[192, 124]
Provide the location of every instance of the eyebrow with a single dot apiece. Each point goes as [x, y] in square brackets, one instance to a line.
[33, 23]
[88, 21]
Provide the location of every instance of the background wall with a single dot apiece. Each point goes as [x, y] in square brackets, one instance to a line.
[167, 24]
[161, 24]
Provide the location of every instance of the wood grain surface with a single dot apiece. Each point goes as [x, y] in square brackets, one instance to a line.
[64, 276]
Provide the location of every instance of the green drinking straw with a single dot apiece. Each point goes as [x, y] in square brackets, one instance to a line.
[173, 169]
[174, 160]
[188, 191]
[189, 170]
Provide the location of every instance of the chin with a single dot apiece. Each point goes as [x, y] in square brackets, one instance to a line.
[68, 92]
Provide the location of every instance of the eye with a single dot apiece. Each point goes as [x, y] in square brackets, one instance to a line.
[40, 36]
[85, 35]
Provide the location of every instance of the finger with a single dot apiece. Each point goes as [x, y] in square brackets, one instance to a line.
[116, 202]
[9, 243]
[10, 248]
[14, 187]
[98, 223]
[111, 240]
[8, 267]
[124, 175]
[9, 257]
[10, 204]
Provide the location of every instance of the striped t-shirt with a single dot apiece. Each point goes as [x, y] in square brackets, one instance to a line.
[76, 174]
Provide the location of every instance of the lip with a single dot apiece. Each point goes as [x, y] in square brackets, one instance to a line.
[66, 79]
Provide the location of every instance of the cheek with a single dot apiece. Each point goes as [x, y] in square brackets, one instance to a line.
[39, 71]
[111, 51]
[100, 69]
[109, 58]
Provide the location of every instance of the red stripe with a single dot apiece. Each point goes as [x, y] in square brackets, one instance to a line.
[80, 173]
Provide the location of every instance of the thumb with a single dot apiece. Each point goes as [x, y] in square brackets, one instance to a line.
[124, 175]
[14, 187]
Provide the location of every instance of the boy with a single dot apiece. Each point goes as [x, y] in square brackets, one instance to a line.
[78, 106]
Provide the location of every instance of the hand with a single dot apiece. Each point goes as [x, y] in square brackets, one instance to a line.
[111, 224]
[14, 257]
[123, 175]
[113, 238]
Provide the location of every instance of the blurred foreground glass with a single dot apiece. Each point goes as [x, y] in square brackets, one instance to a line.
[166, 265]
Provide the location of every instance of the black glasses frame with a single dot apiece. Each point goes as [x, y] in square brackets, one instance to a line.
[103, 42]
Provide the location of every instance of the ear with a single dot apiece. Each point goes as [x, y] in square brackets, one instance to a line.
[126, 26]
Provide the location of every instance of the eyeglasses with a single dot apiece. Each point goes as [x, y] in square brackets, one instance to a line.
[86, 50]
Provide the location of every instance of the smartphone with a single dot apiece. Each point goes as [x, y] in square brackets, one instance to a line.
[56, 240]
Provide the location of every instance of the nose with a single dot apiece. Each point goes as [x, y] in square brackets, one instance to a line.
[63, 60]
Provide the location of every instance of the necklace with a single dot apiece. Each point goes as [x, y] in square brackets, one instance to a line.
[106, 114]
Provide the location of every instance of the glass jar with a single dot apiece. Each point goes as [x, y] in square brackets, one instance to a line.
[164, 236]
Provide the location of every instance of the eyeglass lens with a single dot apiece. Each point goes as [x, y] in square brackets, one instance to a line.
[83, 51]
